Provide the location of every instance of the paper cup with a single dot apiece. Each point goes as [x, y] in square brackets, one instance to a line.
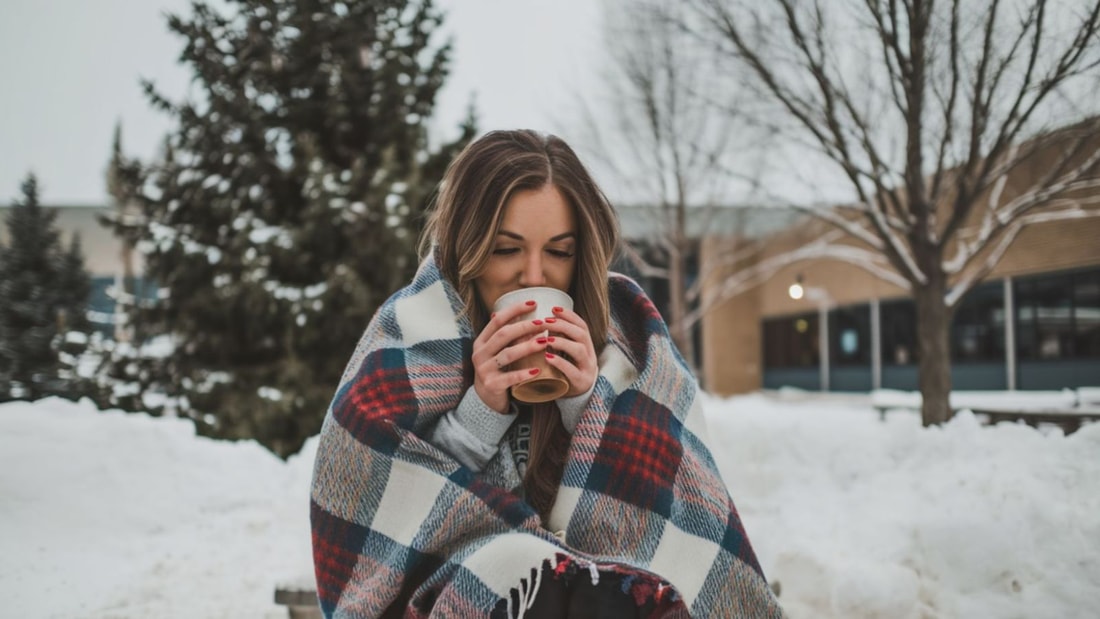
[549, 384]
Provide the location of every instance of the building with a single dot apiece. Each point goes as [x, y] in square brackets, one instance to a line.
[1032, 323]
[104, 256]
[645, 230]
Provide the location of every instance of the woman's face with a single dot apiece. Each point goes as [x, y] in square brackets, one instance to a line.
[536, 245]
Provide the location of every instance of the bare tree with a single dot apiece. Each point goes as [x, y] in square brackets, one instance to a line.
[941, 118]
[661, 136]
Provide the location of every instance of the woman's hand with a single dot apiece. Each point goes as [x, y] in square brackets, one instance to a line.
[500, 344]
[569, 335]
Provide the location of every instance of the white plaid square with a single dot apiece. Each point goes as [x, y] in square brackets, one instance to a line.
[564, 506]
[695, 422]
[411, 491]
[507, 558]
[685, 560]
[426, 316]
[616, 367]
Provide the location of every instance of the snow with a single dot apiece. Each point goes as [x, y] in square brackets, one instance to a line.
[126, 515]
[892, 398]
[857, 517]
[110, 514]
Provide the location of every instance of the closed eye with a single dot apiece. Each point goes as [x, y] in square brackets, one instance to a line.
[560, 253]
[504, 251]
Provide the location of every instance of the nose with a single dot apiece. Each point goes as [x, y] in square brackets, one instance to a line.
[533, 274]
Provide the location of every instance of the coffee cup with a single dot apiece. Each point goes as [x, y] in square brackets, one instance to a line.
[549, 384]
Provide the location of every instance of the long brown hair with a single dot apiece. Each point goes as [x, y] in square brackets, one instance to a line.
[461, 231]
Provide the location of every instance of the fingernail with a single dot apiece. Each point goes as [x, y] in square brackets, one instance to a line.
[492, 316]
[558, 310]
[530, 303]
[550, 339]
[537, 321]
[533, 371]
[551, 320]
[541, 340]
[549, 355]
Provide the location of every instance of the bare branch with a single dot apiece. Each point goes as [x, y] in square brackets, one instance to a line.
[892, 55]
[638, 262]
[946, 139]
[1052, 190]
[832, 138]
[965, 284]
[1020, 113]
[798, 107]
[825, 248]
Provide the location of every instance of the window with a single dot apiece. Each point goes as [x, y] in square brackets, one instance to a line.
[791, 342]
[1086, 314]
[1058, 316]
[850, 335]
[898, 320]
[978, 329]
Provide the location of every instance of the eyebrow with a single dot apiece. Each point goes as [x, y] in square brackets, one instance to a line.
[560, 237]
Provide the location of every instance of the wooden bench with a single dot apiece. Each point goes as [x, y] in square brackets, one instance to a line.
[300, 603]
[1088, 396]
[1069, 419]
[1068, 411]
[882, 408]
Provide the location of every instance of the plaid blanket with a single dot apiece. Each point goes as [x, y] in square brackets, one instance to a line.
[402, 529]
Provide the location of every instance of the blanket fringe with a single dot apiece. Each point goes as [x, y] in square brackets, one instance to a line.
[526, 593]
[534, 590]
[641, 589]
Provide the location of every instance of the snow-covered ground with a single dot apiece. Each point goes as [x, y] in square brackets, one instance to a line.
[115, 515]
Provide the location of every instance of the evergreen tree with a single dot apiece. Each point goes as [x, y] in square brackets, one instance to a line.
[74, 288]
[286, 206]
[73, 339]
[43, 295]
[127, 372]
[123, 184]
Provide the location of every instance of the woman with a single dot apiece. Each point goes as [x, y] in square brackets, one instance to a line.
[435, 494]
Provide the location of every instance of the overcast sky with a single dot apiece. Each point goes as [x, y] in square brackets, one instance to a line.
[70, 70]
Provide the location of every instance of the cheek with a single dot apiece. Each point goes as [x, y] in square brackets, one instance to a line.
[494, 275]
[490, 284]
[562, 276]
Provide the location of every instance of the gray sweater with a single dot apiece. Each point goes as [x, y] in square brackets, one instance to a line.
[472, 433]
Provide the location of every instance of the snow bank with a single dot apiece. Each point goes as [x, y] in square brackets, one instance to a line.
[857, 517]
[115, 515]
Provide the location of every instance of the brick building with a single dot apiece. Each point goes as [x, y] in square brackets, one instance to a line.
[1031, 323]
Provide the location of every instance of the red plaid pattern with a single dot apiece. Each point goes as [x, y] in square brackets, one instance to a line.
[638, 455]
[702, 492]
[335, 544]
[648, 320]
[381, 392]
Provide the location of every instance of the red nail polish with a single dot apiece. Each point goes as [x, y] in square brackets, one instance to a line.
[533, 371]
[541, 340]
[537, 322]
[530, 303]
[558, 310]
[492, 316]
[551, 320]
[550, 339]
[549, 355]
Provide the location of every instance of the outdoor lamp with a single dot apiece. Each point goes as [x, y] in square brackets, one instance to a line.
[796, 291]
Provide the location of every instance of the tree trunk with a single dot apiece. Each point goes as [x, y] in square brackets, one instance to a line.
[677, 308]
[934, 352]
